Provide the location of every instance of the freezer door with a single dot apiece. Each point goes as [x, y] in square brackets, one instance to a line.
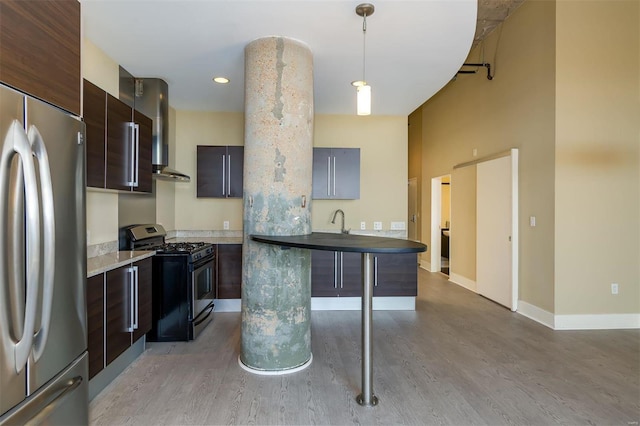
[57, 140]
[63, 401]
[12, 382]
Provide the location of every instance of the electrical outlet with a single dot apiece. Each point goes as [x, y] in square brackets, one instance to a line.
[474, 152]
[363, 225]
[377, 226]
[614, 288]
[225, 224]
[532, 221]
[398, 226]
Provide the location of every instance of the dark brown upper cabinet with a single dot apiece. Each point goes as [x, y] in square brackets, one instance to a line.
[219, 171]
[336, 173]
[119, 143]
[40, 50]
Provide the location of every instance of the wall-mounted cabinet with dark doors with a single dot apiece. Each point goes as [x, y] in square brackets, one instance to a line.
[40, 50]
[119, 141]
[336, 173]
[219, 171]
[118, 312]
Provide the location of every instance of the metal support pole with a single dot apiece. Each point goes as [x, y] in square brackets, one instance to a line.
[367, 398]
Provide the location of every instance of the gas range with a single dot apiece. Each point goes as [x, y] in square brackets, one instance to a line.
[152, 237]
[184, 282]
[195, 250]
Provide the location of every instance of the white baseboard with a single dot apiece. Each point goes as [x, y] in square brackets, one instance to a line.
[355, 303]
[334, 304]
[227, 305]
[597, 322]
[535, 313]
[579, 322]
[463, 282]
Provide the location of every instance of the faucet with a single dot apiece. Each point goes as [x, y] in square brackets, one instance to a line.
[344, 231]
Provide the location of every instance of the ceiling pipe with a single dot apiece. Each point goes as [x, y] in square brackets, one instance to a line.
[484, 64]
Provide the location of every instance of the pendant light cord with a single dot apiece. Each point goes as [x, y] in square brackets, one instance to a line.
[364, 47]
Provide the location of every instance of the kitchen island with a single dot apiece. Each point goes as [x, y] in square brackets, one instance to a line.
[367, 245]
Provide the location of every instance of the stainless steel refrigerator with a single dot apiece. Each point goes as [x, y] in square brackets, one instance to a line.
[43, 321]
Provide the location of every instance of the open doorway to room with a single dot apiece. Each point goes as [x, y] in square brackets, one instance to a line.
[440, 223]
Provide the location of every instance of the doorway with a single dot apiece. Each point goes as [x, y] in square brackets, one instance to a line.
[440, 224]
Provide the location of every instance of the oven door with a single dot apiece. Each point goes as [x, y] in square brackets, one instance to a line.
[203, 282]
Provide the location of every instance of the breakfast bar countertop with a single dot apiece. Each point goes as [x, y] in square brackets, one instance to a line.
[343, 242]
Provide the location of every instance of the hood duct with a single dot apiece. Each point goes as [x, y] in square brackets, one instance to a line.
[152, 99]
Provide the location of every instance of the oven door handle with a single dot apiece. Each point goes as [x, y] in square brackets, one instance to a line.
[201, 262]
[209, 307]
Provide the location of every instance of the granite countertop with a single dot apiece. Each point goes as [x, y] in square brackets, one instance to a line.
[107, 262]
[210, 240]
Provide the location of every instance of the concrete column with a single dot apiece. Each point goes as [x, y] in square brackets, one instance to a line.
[278, 156]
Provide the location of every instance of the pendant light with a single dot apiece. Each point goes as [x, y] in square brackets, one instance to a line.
[363, 90]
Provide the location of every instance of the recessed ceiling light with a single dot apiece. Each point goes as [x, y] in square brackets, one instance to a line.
[221, 80]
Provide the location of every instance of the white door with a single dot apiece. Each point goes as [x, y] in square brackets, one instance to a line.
[496, 239]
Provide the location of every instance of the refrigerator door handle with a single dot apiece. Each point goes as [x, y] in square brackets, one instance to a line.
[42, 415]
[49, 239]
[17, 143]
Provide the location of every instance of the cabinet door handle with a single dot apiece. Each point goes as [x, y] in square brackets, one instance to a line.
[132, 141]
[341, 270]
[137, 168]
[334, 175]
[328, 176]
[133, 297]
[224, 173]
[135, 303]
[335, 269]
[375, 271]
[229, 176]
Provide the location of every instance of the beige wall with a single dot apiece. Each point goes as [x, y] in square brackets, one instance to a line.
[569, 98]
[195, 128]
[597, 151]
[383, 155]
[514, 110]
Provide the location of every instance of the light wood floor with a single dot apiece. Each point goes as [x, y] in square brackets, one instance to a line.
[459, 359]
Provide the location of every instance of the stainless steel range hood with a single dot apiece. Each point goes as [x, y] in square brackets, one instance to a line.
[152, 99]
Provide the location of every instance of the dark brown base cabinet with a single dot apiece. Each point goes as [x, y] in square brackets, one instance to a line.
[229, 270]
[339, 274]
[335, 274]
[123, 322]
[395, 275]
[95, 321]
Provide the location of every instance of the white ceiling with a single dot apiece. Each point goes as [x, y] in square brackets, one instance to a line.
[413, 47]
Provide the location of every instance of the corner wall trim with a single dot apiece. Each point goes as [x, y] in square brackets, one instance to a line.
[536, 314]
[597, 322]
[463, 282]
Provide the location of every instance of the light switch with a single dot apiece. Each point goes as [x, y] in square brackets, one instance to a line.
[532, 221]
